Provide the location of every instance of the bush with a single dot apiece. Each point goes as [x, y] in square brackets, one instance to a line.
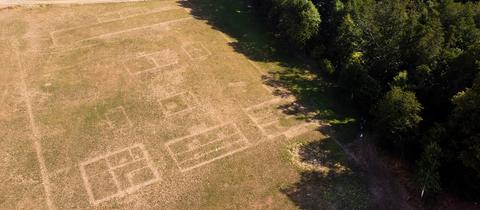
[327, 67]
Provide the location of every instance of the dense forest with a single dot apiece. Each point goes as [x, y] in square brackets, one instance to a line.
[411, 67]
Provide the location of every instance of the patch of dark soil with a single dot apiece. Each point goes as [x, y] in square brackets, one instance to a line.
[384, 184]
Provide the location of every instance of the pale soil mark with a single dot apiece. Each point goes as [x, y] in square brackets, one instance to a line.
[4, 94]
[160, 59]
[60, 171]
[196, 51]
[141, 155]
[166, 23]
[36, 135]
[289, 133]
[133, 12]
[213, 159]
[163, 9]
[53, 34]
[183, 95]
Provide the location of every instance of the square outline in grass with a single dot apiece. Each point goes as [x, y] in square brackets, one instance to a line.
[122, 110]
[289, 133]
[183, 97]
[201, 47]
[157, 66]
[119, 193]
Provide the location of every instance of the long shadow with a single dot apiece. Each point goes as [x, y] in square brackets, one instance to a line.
[292, 73]
[317, 98]
[337, 186]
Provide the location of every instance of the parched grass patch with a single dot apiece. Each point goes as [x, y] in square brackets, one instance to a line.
[321, 156]
[90, 90]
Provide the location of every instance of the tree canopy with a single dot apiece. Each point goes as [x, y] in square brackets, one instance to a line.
[409, 67]
[397, 113]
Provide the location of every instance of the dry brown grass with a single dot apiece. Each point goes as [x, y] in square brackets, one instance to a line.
[85, 89]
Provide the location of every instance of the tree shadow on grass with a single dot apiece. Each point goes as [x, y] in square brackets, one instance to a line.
[334, 191]
[316, 98]
[292, 74]
[236, 18]
[327, 180]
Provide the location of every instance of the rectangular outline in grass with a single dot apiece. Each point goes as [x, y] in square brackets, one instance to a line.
[261, 126]
[122, 110]
[100, 16]
[123, 13]
[4, 93]
[190, 107]
[120, 193]
[298, 130]
[254, 120]
[55, 41]
[203, 57]
[213, 159]
[157, 67]
[175, 90]
[93, 24]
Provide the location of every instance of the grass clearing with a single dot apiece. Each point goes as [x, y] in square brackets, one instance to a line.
[105, 83]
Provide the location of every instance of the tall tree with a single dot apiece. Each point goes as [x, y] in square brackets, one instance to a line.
[466, 127]
[397, 115]
[384, 34]
[299, 20]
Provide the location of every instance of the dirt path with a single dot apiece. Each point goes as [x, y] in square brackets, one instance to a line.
[35, 135]
[386, 189]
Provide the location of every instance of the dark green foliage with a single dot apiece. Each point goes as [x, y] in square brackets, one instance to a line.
[401, 80]
[362, 88]
[466, 66]
[465, 124]
[408, 57]
[299, 21]
[327, 67]
[420, 78]
[428, 176]
[397, 114]
[423, 40]
[383, 37]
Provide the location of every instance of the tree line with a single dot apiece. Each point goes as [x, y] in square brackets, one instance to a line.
[411, 67]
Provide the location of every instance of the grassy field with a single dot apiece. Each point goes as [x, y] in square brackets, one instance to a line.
[162, 105]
